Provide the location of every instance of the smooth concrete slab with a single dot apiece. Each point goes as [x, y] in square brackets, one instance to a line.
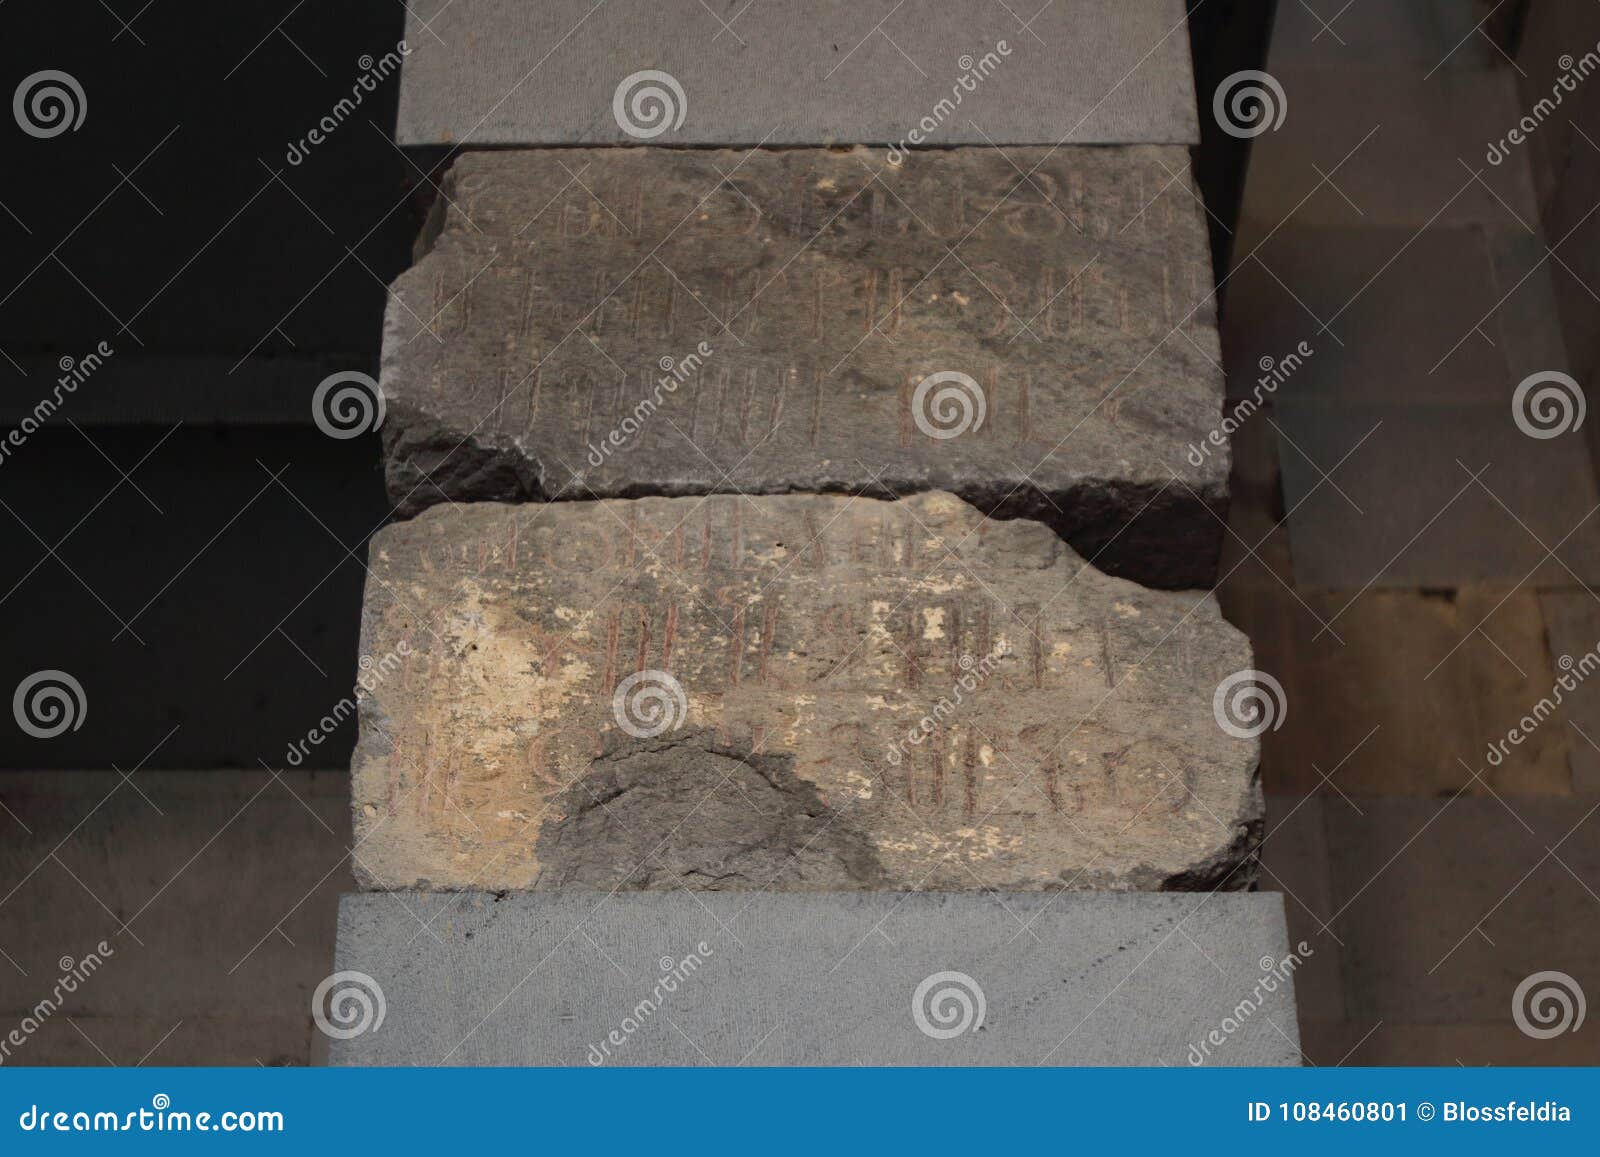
[791, 692]
[510, 72]
[824, 979]
[1031, 329]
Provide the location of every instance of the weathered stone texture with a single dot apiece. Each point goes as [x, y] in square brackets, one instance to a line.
[612, 323]
[873, 695]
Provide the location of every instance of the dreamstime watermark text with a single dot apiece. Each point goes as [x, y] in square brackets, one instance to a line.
[973, 73]
[1573, 673]
[74, 372]
[373, 673]
[1573, 73]
[373, 73]
[673, 974]
[74, 973]
[674, 372]
[1274, 372]
[1274, 974]
[974, 673]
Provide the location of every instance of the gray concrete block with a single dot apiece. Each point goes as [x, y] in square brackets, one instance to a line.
[825, 978]
[833, 71]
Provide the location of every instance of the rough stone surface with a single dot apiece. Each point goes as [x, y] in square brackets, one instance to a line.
[772, 979]
[873, 694]
[610, 323]
[826, 72]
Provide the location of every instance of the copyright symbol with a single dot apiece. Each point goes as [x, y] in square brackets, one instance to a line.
[1424, 1112]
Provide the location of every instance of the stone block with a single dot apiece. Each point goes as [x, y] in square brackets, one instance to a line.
[788, 692]
[1030, 329]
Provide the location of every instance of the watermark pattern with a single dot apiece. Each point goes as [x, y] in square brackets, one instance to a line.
[947, 1004]
[1548, 404]
[948, 404]
[674, 372]
[49, 103]
[347, 405]
[1249, 103]
[973, 72]
[1249, 703]
[74, 372]
[973, 675]
[372, 674]
[673, 973]
[650, 703]
[648, 103]
[1574, 672]
[347, 1004]
[1573, 73]
[1548, 1004]
[373, 73]
[49, 703]
[73, 974]
[1274, 372]
[1273, 974]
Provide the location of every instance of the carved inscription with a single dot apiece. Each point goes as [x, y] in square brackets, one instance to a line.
[956, 687]
[1072, 287]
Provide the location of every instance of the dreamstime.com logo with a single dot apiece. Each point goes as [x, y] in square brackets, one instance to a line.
[49, 103]
[49, 703]
[650, 703]
[347, 405]
[1548, 1004]
[1249, 703]
[1249, 103]
[347, 1004]
[160, 1117]
[948, 1004]
[948, 404]
[1548, 404]
[648, 103]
